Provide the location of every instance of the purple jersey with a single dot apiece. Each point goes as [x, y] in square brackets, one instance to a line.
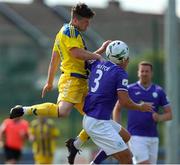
[142, 123]
[105, 80]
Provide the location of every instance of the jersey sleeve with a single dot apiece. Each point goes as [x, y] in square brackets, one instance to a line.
[56, 44]
[122, 81]
[72, 42]
[72, 38]
[3, 125]
[163, 98]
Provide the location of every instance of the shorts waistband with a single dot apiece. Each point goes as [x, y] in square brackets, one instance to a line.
[77, 75]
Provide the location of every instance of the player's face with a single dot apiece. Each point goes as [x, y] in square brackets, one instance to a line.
[145, 74]
[83, 23]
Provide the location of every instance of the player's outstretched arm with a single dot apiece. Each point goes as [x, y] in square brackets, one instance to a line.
[126, 102]
[53, 67]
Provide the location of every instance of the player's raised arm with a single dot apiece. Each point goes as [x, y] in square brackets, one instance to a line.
[87, 55]
[102, 49]
[84, 54]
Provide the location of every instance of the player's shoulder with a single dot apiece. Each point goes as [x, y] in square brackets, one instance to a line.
[116, 67]
[158, 87]
[70, 31]
[96, 64]
[7, 121]
[132, 85]
[119, 71]
[24, 121]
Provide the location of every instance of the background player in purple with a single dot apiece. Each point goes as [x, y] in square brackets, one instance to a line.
[108, 82]
[143, 126]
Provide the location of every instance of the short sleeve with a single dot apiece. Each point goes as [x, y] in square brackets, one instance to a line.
[56, 44]
[163, 98]
[4, 125]
[122, 80]
[71, 42]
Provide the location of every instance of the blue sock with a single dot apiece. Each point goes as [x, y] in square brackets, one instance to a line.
[101, 155]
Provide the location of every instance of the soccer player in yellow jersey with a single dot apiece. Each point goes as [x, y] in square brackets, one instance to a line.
[70, 51]
[43, 133]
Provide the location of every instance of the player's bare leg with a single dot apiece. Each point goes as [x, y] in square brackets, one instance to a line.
[124, 157]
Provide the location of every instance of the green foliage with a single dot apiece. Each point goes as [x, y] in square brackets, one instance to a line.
[158, 66]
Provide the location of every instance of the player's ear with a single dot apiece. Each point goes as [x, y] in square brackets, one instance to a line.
[138, 72]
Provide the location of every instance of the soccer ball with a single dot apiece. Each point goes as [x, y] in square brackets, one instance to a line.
[117, 51]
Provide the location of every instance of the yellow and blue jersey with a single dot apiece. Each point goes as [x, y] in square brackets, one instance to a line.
[45, 135]
[67, 38]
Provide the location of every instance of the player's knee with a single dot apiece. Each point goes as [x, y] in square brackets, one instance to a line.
[124, 157]
[64, 109]
[63, 113]
[127, 137]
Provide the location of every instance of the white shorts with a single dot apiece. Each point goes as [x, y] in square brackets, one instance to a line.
[105, 134]
[144, 148]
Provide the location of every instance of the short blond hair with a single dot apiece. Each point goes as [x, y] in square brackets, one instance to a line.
[145, 63]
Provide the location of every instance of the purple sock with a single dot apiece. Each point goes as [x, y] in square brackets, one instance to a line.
[101, 155]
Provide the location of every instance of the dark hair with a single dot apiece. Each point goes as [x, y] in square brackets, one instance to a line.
[146, 63]
[81, 10]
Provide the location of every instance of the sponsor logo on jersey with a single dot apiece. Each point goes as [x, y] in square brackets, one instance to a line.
[138, 93]
[154, 94]
[125, 82]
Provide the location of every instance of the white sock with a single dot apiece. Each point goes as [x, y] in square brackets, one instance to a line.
[25, 109]
[78, 143]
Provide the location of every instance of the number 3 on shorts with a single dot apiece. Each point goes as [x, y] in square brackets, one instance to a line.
[96, 80]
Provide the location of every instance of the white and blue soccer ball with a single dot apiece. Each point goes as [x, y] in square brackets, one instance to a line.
[117, 51]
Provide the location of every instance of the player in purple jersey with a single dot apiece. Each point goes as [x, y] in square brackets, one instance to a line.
[143, 126]
[108, 82]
